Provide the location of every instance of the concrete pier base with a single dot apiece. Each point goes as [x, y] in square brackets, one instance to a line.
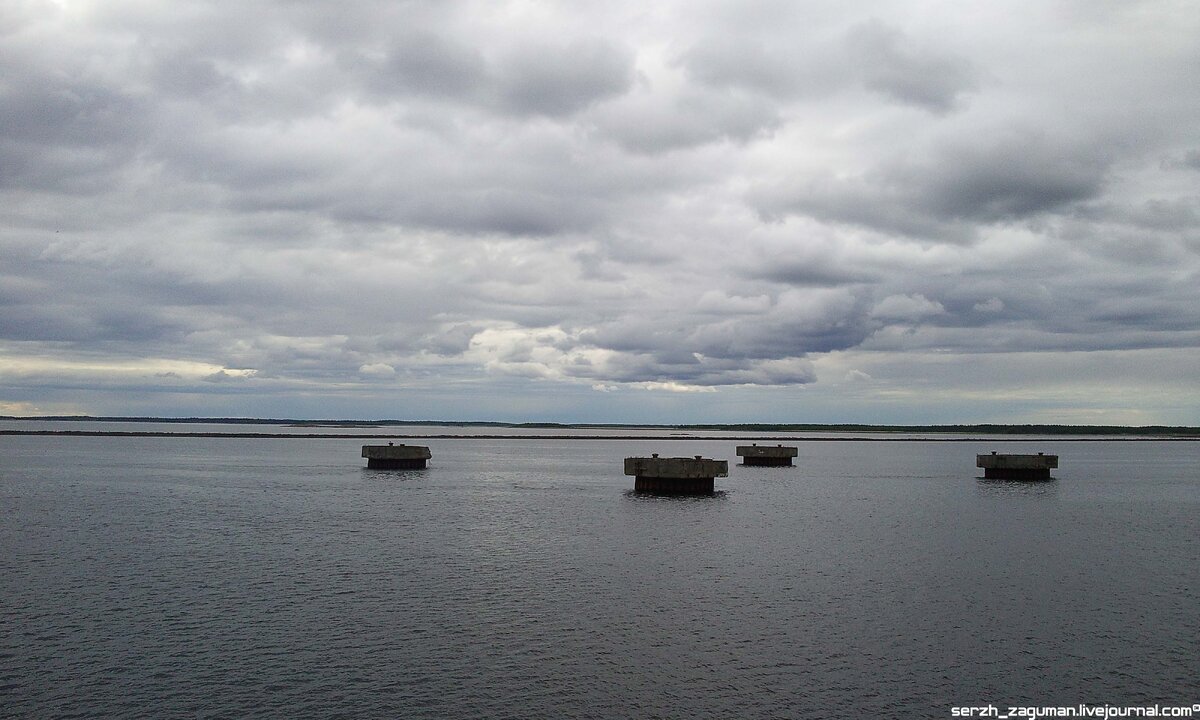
[675, 476]
[395, 457]
[767, 455]
[674, 486]
[1016, 467]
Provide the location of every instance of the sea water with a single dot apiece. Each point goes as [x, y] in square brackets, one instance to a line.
[522, 578]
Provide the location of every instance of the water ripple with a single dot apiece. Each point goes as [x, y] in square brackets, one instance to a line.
[224, 579]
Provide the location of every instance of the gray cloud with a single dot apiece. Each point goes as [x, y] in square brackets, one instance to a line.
[560, 80]
[430, 65]
[893, 65]
[288, 205]
[1189, 160]
[531, 78]
[809, 267]
[65, 133]
[653, 124]
[779, 70]
[955, 187]
[815, 65]
[1007, 178]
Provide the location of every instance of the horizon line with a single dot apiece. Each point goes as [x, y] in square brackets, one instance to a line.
[1007, 428]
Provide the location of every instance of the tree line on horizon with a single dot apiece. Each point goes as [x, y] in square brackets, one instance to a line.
[987, 428]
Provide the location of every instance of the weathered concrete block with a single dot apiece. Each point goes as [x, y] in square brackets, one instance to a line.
[1017, 467]
[676, 475]
[767, 455]
[395, 457]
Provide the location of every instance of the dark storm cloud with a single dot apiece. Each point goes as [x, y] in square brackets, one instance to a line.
[792, 327]
[1011, 177]
[810, 272]
[946, 194]
[779, 339]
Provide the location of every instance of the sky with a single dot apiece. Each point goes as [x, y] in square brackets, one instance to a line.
[895, 212]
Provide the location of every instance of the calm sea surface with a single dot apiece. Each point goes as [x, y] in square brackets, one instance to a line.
[521, 578]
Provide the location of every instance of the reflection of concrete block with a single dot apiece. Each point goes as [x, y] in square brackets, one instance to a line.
[395, 457]
[768, 455]
[1017, 467]
[675, 475]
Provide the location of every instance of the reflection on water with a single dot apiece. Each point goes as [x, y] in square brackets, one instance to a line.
[394, 474]
[1024, 488]
[650, 496]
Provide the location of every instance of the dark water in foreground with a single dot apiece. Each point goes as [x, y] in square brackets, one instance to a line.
[219, 577]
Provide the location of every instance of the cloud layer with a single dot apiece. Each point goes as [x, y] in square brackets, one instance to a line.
[619, 212]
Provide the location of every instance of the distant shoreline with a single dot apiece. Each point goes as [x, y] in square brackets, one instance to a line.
[798, 430]
[772, 438]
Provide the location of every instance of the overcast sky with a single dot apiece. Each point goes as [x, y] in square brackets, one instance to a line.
[692, 211]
